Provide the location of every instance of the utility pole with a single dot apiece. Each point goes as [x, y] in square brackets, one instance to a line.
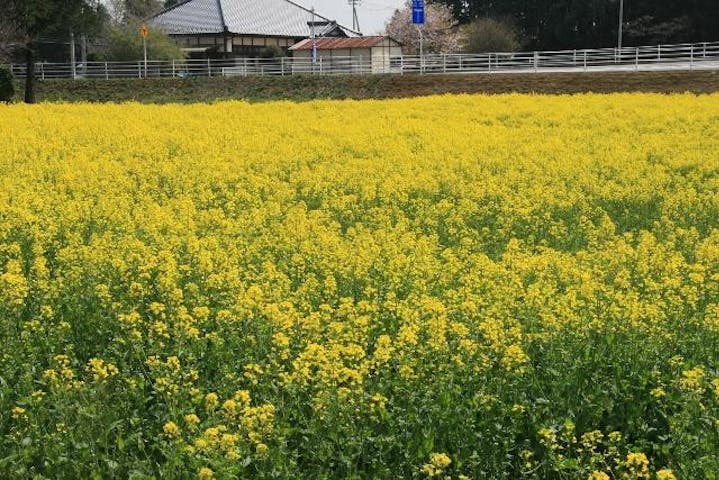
[621, 26]
[83, 54]
[355, 18]
[73, 67]
[314, 39]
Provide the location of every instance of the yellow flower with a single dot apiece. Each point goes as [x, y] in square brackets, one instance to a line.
[205, 473]
[666, 474]
[100, 370]
[379, 401]
[211, 400]
[173, 363]
[171, 429]
[228, 440]
[637, 464]
[438, 462]
[547, 437]
[242, 397]
[192, 419]
[597, 475]
[691, 380]
[230, 406]
[18, 412]
[658, 392]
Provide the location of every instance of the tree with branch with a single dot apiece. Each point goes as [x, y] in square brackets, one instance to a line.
[27, 22]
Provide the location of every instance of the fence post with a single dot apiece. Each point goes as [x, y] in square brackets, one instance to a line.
[691, 57]
[636, 60]
[139, 69]
[705, 50]
[444, 63]
[585, 60]
[42, 71]
[209, 67]
[107, 74]
[460, 63]
[659, 53]
[536, 61]
[282, 66]
[173, 68]
[401, 64]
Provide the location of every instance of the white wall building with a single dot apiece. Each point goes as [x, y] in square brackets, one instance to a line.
[368, 54]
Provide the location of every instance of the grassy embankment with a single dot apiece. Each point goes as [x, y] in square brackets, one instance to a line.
[170, 90]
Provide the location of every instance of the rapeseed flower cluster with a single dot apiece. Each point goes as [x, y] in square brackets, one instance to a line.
[510, 286]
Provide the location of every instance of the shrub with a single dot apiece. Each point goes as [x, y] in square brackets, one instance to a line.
[489, 35]
[124, 44]
[271, 51]
[7, 87]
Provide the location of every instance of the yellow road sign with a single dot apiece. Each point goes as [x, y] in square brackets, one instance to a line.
[144, 31]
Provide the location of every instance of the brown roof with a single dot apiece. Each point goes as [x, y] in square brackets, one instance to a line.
[332, 43]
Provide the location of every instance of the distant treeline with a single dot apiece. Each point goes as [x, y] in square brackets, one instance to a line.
[561, 24]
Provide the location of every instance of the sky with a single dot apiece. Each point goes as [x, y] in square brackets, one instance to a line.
[373, 14]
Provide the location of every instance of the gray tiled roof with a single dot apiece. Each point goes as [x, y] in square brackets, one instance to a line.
[249, 17]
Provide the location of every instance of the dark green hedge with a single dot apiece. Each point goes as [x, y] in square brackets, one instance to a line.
[173, 90]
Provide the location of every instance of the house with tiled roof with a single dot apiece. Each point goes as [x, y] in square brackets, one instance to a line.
[242, 28]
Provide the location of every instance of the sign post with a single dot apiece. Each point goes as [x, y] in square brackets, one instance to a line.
[314, 40]
[418, 21]
[144, 33]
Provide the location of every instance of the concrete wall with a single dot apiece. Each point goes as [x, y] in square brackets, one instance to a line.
[337, 59]
[382, 55]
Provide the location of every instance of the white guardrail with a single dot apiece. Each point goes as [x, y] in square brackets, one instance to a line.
[695, 56]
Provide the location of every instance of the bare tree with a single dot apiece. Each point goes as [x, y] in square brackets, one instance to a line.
[9, 38]
[126, 11]
[440, 31]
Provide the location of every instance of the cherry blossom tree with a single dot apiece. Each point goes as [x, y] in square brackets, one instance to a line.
[440, 31]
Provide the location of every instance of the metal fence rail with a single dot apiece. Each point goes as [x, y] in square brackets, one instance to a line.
[658, 57]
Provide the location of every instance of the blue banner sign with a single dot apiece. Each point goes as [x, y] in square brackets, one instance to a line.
[418, 12]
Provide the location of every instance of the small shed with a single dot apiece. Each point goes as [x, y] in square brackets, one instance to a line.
[371, 54]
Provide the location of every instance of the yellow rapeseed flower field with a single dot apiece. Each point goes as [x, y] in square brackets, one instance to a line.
[451, 287]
